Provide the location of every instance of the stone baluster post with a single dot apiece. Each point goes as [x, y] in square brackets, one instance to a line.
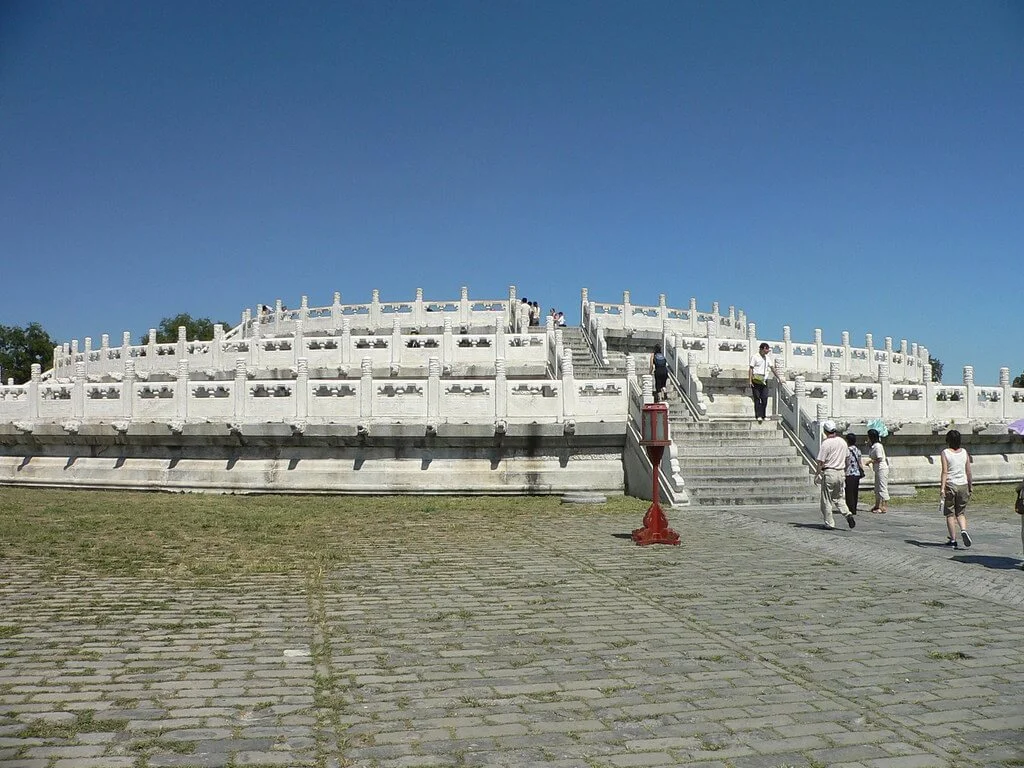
[128, 390]
[345, 345]
[217, 347]
[78, 391]
[304, 309]
[884, 390]
[716, 314]
[799, 400]
[500, 341]
[302, 390]
[34, 381]
[278, 316]
[57, 364]
[366, 393]
[692, 314]
[584, 306]
[712, 341]
[972, 395]
[787, 347]
[241, 392]
[837, 401]
[751, 341]
[397, 342]
[447, 343]
[419, 318]
[929, 391]
[510, 318]
[820, 415]
[905, 375]
[182, 351]
[847, 360]
[869, 342]
[647, 388]
[150, 359]
[819, 352]
[104, 352]
[181, 393]
[257, 330]
[336, 313]
[662, 316]
[1006, 397]
[888, 353]
[568, 386]
[741, 320]
[126, 350]
[500, 389]
[676, 354]
[553, 343]
[248, 323]
[916, 362]
[299, 340]
[627, 311]
[433, 389]
[87, 354]
[464, 311]
[375, 313]
[732, 316]
[630, 369]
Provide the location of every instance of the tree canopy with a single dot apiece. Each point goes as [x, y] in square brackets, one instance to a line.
[936, 368]
[1019, 380]
[197, 329]
[20, 347]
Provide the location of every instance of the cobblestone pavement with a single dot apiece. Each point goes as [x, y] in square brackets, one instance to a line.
[762, 641]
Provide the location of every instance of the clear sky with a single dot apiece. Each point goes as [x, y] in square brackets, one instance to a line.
[844, 165]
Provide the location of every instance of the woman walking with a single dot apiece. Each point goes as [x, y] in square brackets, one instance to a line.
[880, 463]
[659, 369]
[955, 486]
[854, 472]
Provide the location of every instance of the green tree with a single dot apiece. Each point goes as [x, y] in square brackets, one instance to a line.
[20, 347]
[1019, 381]
[196, 329]
[936, 368]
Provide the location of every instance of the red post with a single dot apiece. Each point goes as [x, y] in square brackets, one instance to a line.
[654, 438]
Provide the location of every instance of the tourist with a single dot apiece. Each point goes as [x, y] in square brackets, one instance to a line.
[955, 488]
[535, 314]
[1018, 507]
[880, 463]
[832, 457]
[659, 369]
[560, 319]
[854, 472]
[757, 377]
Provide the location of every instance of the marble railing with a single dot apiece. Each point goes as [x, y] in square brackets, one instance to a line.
[377, 315]
[599, 317]
[396, 349]
[303, 399]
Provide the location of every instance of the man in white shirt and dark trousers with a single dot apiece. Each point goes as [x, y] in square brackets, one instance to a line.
[832, 456]
[757, 376]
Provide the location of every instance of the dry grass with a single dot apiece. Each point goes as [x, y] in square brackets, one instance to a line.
[199, 535]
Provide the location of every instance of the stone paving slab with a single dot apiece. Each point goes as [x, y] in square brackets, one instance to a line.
[762, 641]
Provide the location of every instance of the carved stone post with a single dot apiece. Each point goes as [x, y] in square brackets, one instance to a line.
[787, 347]
[302, 390]
[447, 343]
[742, 320]
[397, 343]
[712, 342]
[87, 353]
[433, 389]
[366, 393]
[916, 361]
[182, 342]
[553, 338]
[345, 345]
[836, 394]
[821, 414]
[104, 351]
[929, 391]
[869, 342]
[126, 351]
[241, 389]
[630, 368]
[972, 396]
[336, 313]
[304, 309]
[418, 314]
[647, 388]
[715, 313]
[181, 393]
[128, 390]
[847, 360]
[1007, 394]
[584, 306]
[904, 355]
[500, 389]
[510, 317]
[885, 390]
[277, 316]
[78, 391]
[888, 353]
[751, 340]
[500, 341]
[299, 340]
[217, 347]
[375, 309]
[464, 315]
[799, 400]
[692, 313]
[627, 311]
[676, 352]
[662, 315]
[732, 316]
[33, 391]
[819, 352]
[568, 386]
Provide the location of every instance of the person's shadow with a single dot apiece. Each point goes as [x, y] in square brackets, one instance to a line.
[997, 562]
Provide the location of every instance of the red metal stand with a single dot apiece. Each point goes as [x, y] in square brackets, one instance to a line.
[655, 529]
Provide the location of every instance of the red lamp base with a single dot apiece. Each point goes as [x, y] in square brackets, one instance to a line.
[655, 530]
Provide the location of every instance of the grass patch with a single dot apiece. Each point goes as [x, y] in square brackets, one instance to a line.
[133, 533]
[84, 722]
[950, 656]
[9, 630]
[989, 501]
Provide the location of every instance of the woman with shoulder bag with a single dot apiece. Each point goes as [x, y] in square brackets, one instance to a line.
[854, 472]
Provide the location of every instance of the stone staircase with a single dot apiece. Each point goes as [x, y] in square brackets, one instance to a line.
[584, 365]
[728, 462]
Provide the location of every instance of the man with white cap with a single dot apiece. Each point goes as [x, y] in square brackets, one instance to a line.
[832, 458]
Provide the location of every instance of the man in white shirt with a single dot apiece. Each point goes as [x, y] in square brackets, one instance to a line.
[832, 457]
[757, 377]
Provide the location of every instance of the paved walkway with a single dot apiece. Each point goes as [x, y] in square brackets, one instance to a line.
[762, 641]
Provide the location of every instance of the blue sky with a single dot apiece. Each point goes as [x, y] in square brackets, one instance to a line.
[850, 166]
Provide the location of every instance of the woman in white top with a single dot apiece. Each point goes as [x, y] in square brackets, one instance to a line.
[880, 463]
[955, 486]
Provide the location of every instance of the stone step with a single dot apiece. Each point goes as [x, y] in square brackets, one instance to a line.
[752, 475]
[703, 463]
[753, 500]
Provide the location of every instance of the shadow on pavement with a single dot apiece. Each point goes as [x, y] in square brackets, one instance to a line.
[816, 526]
[989, 561]
[939, 544]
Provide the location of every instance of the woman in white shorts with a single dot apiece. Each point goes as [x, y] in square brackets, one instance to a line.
[880, 463]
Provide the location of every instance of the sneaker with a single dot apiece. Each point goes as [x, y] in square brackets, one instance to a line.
[851, 521]
[966, 537]
[951, 543]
